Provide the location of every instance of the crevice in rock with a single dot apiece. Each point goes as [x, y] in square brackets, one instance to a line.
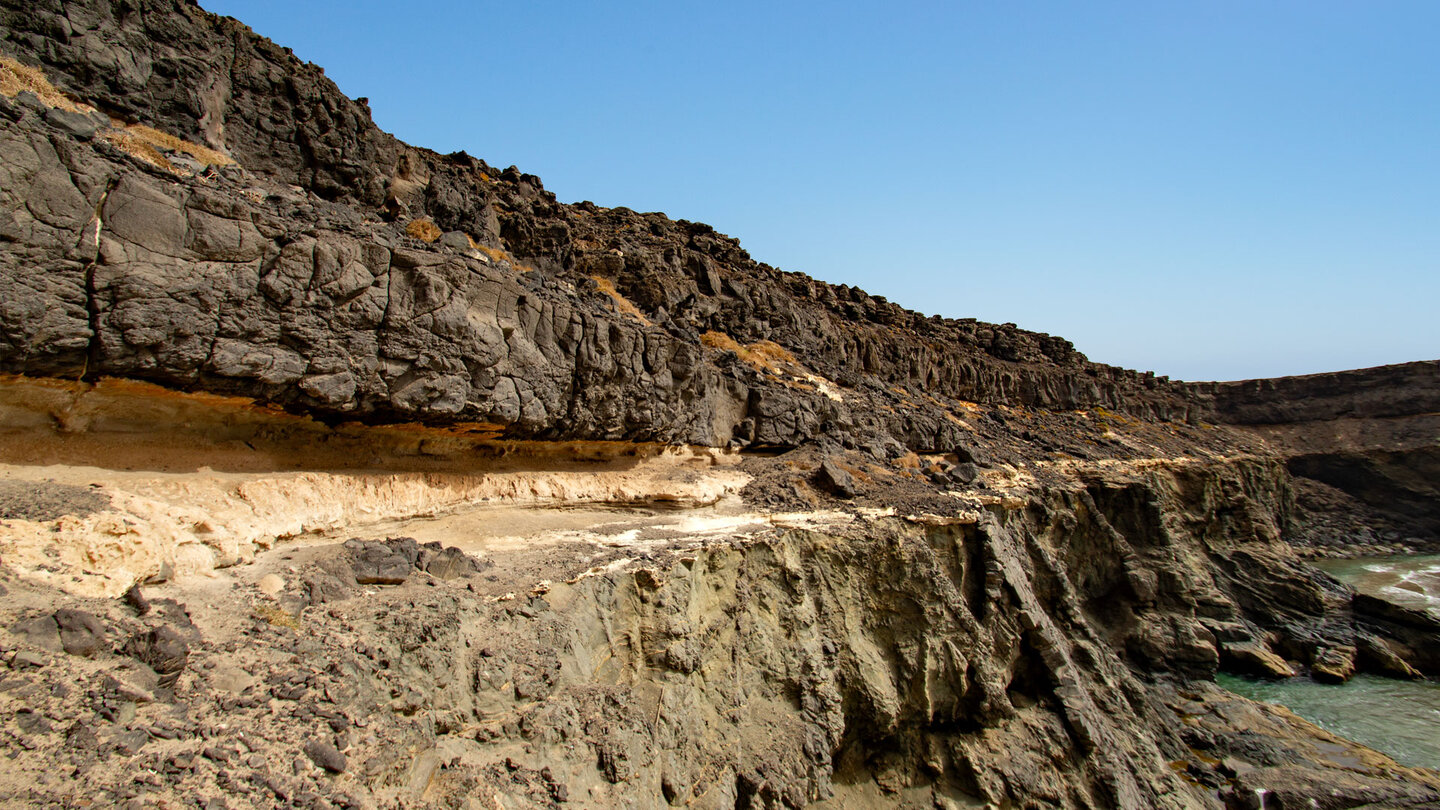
[93, 357]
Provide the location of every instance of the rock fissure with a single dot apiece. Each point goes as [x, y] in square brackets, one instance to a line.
[92, 306]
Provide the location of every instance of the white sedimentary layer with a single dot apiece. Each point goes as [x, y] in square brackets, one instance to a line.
[196, 522]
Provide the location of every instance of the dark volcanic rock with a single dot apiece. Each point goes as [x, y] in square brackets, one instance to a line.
[80, 633]
[325, 756]
[1045, 638]
[163, 649]
[26, 500]
[447, 562]
[382, 563]
[1384, 391]
[42, 631]
[135, 598]
[234, 282]
[834, 479]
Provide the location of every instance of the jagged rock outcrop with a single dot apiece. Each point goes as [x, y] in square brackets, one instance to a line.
[1054, 650]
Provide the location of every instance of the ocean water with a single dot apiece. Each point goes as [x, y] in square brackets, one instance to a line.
[1412, 581]
[1400, 718]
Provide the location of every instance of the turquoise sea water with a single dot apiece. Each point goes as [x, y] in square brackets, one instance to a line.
[1400, 718]
[1410, 581]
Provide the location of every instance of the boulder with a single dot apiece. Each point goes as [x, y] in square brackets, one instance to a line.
[80, 633]
[1333, 664]
[163, 649]
[1385, 657]
[326, 756]
[447, 562]
[382, 563]
[1255, 659]
[42, 631]
[834, 479]
[270, 584]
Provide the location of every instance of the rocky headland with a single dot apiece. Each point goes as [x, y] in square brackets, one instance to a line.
[336, 472]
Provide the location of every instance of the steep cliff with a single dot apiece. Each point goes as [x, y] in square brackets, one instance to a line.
[317, 262]
[902, 560]
[1364, 446]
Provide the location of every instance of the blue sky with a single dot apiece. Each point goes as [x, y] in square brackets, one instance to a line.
[1210, 190]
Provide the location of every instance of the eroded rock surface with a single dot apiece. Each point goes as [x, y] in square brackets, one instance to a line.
[959, 565]
[1054, 650]
[290, 275]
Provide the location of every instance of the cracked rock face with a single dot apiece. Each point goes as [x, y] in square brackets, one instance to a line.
[288, 275]
[1056, 651]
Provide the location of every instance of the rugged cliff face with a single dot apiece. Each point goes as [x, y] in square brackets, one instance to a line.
[1362, 445]
[904, 561]
[290, 273]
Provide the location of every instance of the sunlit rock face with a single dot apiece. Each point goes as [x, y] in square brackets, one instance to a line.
[336, 472]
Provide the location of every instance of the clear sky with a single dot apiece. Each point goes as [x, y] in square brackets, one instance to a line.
[1211, 190]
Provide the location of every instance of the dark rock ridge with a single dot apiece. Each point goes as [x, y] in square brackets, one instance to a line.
[1405, 389]
[289, 277]
[1361, 444]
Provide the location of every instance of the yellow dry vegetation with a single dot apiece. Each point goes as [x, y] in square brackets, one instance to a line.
[16, 78]
[164, 140]
[424, 230]
[622, 303]
[146, 144]
[139, 140]
[499, 255]
[136, 146]
[494, 254]
[1107, 417]
[723, 342]
[764, 355]
[275, 616]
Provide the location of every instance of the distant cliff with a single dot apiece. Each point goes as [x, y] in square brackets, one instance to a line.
[1406, 389]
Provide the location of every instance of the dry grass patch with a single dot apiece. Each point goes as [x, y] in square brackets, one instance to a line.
[16, 78]
[275, 616]
[771, 354]
[424, 230]
[164, 140]
[146, 144]
[723, 342]
[494, 254]
[139, 148]
[764, 355]
[498, 255]
[621, 302]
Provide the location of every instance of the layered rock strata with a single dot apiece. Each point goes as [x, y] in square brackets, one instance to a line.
[1364, 447]
[976, 569]
[1052, 651]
